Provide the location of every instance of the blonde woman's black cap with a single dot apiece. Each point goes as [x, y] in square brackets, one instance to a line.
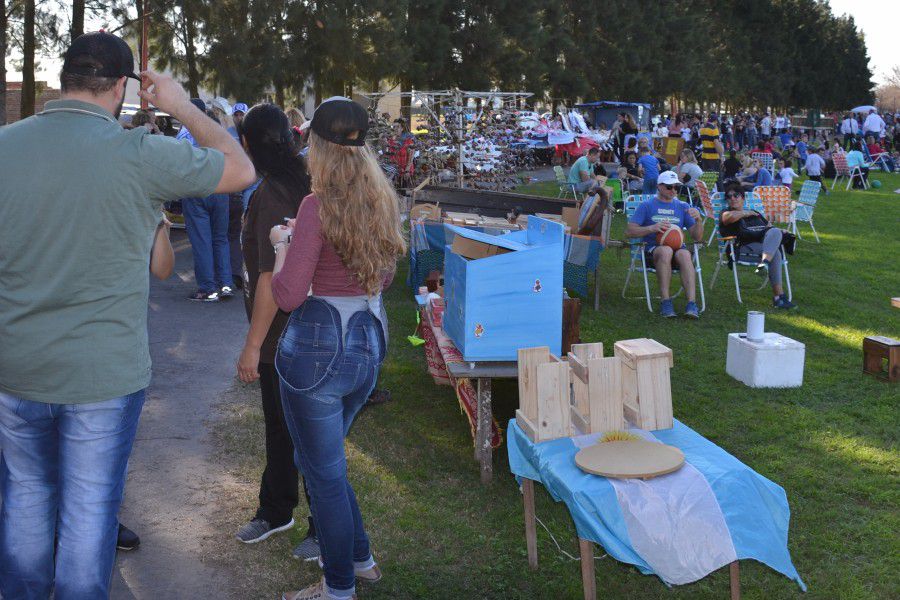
[338, 117]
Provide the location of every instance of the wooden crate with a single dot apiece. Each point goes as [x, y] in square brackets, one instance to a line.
[646, 387]
[596, 390]
[544, 391]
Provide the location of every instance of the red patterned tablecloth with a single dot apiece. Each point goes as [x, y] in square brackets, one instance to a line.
[440, 350]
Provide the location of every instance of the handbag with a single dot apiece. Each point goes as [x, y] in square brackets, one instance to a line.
[752, 229]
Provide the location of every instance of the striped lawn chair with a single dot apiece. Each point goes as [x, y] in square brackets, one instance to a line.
[711, 179]
[806, 205]
[778, 205]
[638, 263]
[709, 209]
[565, 186]
[765, 160]
[841, 169]
[728, 249]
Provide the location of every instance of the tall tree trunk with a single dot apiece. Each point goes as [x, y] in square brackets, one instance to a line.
[28, 67]
[190, 52]
[78, 18]
[278, 84]
[3, 58]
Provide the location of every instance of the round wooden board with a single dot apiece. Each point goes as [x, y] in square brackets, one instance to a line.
[630, 459]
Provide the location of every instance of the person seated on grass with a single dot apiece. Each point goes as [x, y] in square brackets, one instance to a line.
[732, 166]
[875, 150]
[659, 214]
[755, 241]
[855, 158]
[581, 175]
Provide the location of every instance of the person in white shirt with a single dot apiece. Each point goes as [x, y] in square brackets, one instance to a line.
[873, 125]
[780, 123]
[849, 129]
[785, 173]
[815, 165]
[765, 126]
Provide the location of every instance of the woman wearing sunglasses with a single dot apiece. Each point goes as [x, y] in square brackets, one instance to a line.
[756, 240]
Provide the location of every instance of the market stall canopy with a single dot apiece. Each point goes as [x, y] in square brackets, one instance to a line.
[605, 111]
[863, 109]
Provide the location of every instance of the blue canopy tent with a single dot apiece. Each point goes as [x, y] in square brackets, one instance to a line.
[605, 111]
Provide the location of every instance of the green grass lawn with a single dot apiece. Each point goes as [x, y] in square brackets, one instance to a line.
[832, 444]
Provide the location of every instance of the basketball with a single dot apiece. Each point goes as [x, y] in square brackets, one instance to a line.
[671, 237]
[876, 183]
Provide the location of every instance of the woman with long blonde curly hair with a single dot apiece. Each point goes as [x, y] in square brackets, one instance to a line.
[344, 246]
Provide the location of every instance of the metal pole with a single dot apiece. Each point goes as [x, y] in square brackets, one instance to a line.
[145, 51]
[460, 132]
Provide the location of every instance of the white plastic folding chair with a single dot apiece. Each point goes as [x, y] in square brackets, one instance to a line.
[565, 186]
[806, 205]
[638, 261]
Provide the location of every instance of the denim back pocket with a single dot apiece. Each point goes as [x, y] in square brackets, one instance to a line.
[310, 346]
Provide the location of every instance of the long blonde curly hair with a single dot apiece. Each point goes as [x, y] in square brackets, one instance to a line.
[359, 210]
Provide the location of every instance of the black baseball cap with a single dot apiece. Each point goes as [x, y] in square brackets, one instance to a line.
[109, 51]
[337, 117]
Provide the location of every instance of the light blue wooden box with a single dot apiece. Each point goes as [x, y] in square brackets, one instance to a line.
[498, 304]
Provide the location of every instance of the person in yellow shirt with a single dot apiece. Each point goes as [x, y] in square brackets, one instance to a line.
[710, 158]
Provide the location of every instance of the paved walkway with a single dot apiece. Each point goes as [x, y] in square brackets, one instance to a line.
[173, 483]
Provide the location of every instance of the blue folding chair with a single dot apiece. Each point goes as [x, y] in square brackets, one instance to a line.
[806, 205]
[638, 262]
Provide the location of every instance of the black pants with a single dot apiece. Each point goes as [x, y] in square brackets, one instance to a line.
[235, 212]
[278, 496]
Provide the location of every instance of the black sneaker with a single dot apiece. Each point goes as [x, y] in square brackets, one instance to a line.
[258, 530]
[127, 540]
[226, 292]
[307, 550]
[782, 302]
[204, 297]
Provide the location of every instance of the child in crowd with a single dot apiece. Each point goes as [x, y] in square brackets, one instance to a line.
[785, 174]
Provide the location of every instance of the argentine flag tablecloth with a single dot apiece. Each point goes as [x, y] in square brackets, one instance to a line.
[681, 526]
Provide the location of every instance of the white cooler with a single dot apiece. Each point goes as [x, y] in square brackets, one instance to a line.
[774, 362]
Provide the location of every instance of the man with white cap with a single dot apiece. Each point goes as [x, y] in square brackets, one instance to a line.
[657, 215]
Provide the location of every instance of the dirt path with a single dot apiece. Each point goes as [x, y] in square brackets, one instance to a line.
[175, 488]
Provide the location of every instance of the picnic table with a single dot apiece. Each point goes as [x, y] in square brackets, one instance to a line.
[472, 383]
[711, 513]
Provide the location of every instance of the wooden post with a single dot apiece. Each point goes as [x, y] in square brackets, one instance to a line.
[588, 581]
[734, 571]
[483, 450]
[530, 531]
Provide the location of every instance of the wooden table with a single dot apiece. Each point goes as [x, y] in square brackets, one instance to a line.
[482, 373]
[586, 549]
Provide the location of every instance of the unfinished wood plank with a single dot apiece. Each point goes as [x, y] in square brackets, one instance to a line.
[630, 393]
[530, 531]
[529, 359]
[641, 348]
[578, 357]
[525, 424]
[654, 393]
[607, 408]
[554, 418]
[588, 579]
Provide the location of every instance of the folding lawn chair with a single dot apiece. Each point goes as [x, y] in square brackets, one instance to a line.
[806, 205]
[729, 252]
[709, 209]
[875, 161]
[777, 203]
[765, 160]
[565, 186]
[711, 179]
[638, 263]
[841, 169]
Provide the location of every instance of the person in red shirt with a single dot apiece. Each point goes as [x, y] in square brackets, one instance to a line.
[879, 155]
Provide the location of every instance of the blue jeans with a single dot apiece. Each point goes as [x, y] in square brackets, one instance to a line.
[206, 221]
[62, 475]
[325, 379]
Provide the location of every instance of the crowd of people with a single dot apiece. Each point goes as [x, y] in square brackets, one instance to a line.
[319, 237]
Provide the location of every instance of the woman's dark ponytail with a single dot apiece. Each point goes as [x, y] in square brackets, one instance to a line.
[274, 147]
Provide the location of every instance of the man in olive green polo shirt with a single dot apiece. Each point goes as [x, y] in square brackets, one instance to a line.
[80, 199]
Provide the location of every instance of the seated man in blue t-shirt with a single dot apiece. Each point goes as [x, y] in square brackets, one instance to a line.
[659, 214]
[581, 175]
